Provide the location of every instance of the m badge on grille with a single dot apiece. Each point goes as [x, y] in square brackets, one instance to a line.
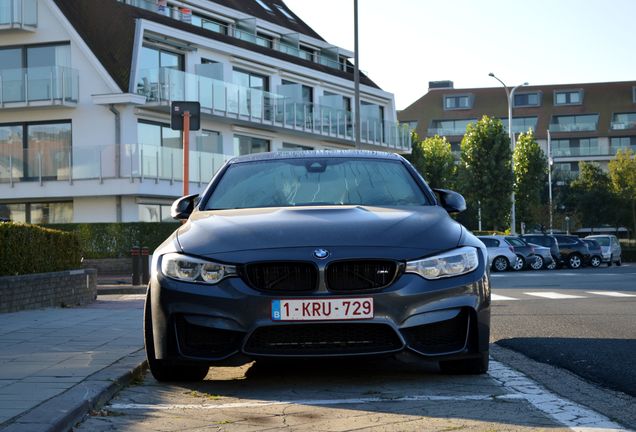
[321, 253]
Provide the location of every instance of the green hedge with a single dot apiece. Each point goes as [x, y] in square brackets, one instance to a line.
[26, 249]
[114, 240]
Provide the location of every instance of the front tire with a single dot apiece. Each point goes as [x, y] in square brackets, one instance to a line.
[161, 369]
[519, 264]
[619, 262]
[595, 261]
[575, 261]
[500, 264]
[552, 265]
[538, 263]
[474, 366]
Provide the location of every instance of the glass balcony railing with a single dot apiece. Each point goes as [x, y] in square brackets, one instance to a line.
[614, 149]
[54, 85]
[578, 151]
[18, 14]
[446, 131]
[138, 162]
[225, 99]
[248, 36]
[573, 127]
[623, 125]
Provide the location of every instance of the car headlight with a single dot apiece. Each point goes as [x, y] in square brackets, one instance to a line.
[453, 263]
[190, 269]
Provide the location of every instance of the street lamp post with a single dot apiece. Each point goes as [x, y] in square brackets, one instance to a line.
[511, 94]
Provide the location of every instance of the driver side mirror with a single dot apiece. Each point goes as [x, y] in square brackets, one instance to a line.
[451, 200]
[183, 207]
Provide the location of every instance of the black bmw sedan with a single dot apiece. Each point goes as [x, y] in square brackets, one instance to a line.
[317, 254]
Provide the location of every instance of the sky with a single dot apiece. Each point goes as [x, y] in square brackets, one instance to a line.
[404, 44]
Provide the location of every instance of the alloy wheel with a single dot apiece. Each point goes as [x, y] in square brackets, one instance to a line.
[538, 263]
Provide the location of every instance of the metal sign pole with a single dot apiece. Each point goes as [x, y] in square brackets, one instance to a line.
[186, 153]
[550, 180]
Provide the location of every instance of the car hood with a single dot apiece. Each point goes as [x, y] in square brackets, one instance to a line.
[425, 229]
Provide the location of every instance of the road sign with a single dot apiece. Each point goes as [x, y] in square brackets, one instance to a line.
[176, 114]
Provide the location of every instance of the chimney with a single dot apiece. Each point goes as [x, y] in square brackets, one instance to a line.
[434, 85]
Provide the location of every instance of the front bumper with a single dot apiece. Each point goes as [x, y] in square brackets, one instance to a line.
[230, 323]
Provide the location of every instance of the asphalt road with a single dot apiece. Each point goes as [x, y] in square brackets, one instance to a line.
[583, 321]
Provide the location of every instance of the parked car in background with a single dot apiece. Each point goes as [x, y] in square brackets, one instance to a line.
[596, 253]
[501, 255]
[543, 257]
[548, 241]
[610, 246]
[526, 255]
[574, 253]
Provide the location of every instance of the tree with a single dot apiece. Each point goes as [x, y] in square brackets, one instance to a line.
[622, 172]
[530, 167]
[485, 176]
[592, 197]
[434, 159]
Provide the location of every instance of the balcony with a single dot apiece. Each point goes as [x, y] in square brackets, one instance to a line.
[221, 99]
[138, 163]
[327, 57]
[18, 14]
[614, 149]
[447, 131]
[39, 86]
[623, 125]
[573, 127]
[578, 151]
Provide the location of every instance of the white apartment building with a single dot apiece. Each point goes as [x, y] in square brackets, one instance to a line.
[86, 88]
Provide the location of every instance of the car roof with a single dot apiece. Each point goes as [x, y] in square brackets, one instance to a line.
[312, 154]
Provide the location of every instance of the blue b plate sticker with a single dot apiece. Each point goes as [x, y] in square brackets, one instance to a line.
[276, 310]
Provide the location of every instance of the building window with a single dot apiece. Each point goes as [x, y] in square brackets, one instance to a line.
[574, 123]
[624, 121]
[306, 53]
[209, 142]
[634, 94]
[566, 170]
[209, 24]
[527, 100]
[449, 127]
[285, 12]
[575, 147]
[37, 212]
[295, 147]
[36, 150]
[264, 40]
[250, 80]
[42, 62]
[622, 143]
[247, 145]
[568, 97]
[520, 124]
[154, 213]
[458, 102]
[264, 5]
[158, 135]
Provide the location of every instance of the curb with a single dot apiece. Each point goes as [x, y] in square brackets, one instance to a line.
[62, 412]
[121, 289]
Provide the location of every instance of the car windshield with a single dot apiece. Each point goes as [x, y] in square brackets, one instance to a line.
[315, 182]
[603, 241]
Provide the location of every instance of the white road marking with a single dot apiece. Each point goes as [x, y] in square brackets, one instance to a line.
[611, 293]
[553, 295]
[497, 297]
[516, 385]
[572, 415]
[317, 402]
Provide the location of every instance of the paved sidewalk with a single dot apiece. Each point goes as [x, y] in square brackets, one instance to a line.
[56, 364]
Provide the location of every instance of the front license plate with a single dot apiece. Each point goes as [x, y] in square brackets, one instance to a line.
[322, 309]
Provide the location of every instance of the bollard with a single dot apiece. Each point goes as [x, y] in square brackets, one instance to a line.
[136, 275]
[145, 266]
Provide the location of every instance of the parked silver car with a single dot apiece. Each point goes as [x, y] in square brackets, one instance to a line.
[501, 256]
[610, 246]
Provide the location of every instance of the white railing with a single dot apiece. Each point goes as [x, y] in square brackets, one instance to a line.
[229, 100]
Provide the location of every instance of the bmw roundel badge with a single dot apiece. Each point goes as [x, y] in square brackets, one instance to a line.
[321, 253]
